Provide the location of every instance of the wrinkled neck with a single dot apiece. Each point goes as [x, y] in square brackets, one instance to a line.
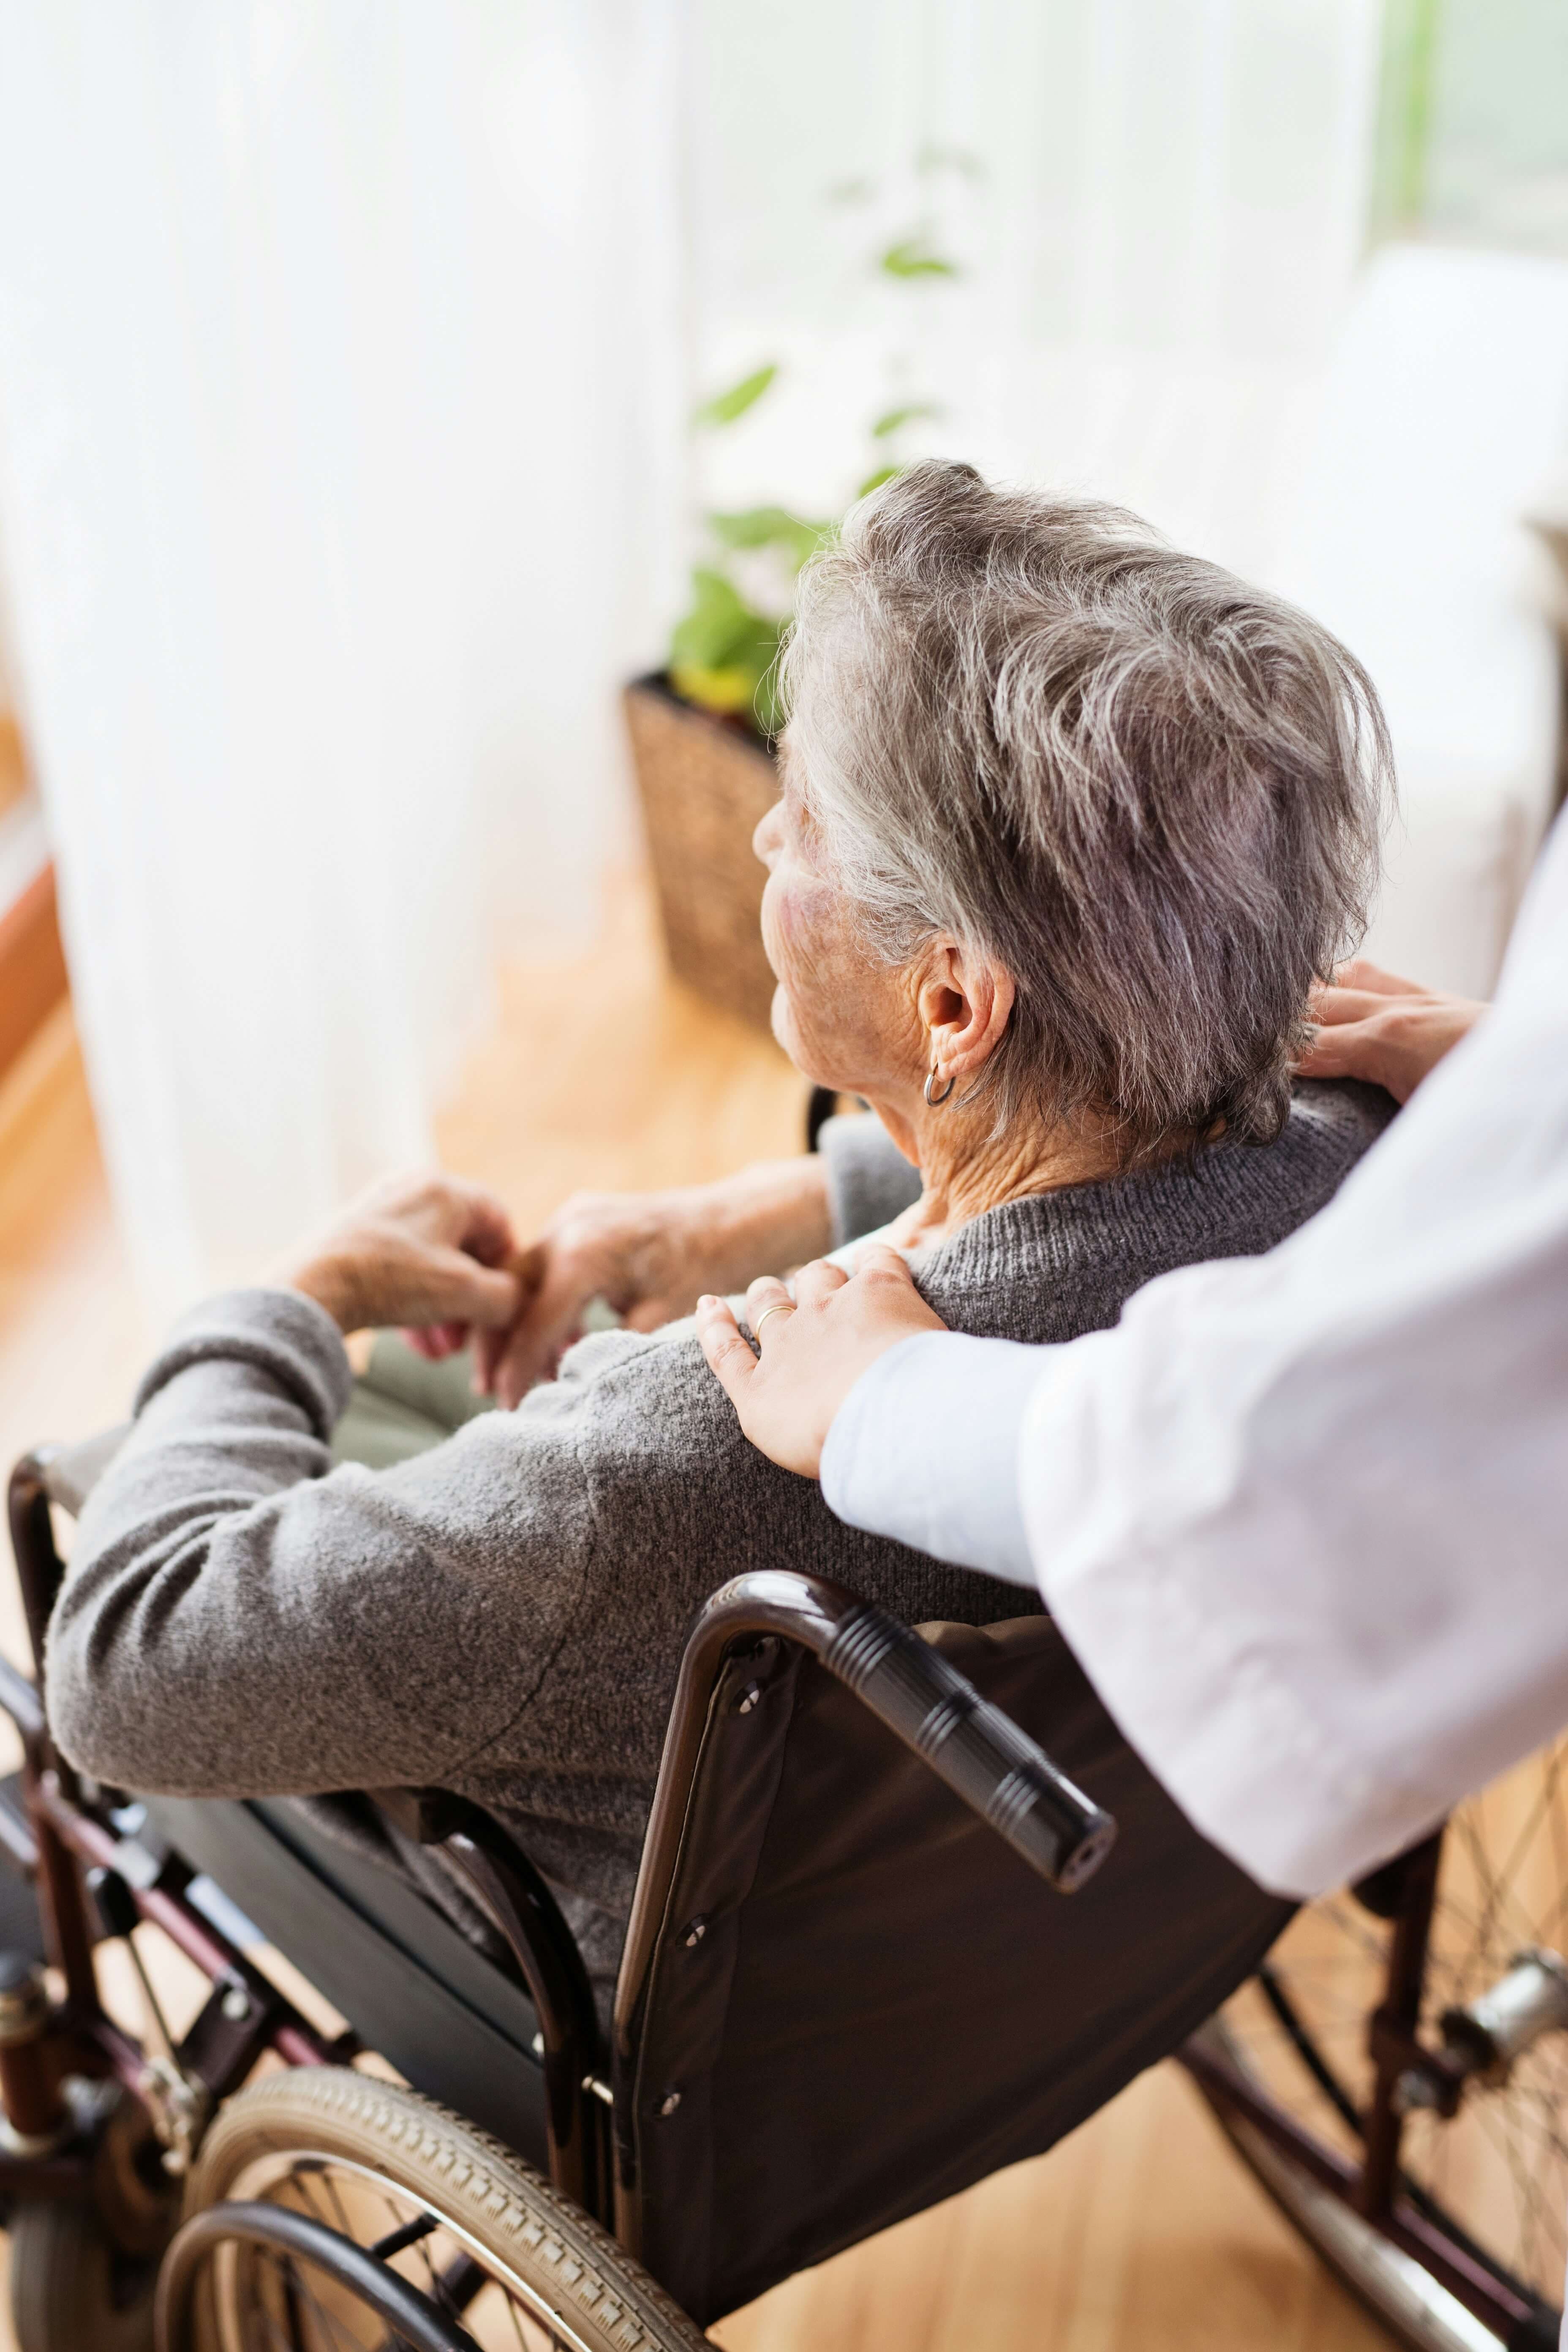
[965, 1170]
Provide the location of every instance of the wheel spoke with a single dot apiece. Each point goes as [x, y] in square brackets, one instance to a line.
[257, 2309]
[1501, 2169]
[339, 2219]
[421, 2251]
[1526, 1837]
[334, 2336]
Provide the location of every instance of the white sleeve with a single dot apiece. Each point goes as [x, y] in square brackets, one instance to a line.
[1301, 1517]
[926, 1449]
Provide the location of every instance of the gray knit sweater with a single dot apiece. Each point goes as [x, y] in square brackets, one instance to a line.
[504, 1615]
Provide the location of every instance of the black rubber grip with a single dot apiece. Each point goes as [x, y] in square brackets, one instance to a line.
[979, 1751]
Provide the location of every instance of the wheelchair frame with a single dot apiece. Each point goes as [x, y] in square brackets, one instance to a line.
[589, 2088]
[1408, 2073]
[70, 1829]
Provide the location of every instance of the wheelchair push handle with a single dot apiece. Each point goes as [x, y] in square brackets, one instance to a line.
[980, 1752]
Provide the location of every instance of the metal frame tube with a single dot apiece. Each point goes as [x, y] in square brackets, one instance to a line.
[1468, 2280]
[512, 1891]
[292, 2037]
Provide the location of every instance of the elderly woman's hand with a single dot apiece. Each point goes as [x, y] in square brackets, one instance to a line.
[815, 1348]
[429, 1250]
[649, 1254]
[1372, 1026]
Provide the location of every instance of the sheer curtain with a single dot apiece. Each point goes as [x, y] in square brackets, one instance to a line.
[334, 377]
[1157, 207]
[346, 351]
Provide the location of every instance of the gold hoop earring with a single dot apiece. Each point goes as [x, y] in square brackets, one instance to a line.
[935, 1102]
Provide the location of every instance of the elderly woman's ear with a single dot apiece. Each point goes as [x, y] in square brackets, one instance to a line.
[963, 999]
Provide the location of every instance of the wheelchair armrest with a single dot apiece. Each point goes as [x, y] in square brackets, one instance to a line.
[517, 1899]
[70, 1473]
[51, 1475]
[982, 1754]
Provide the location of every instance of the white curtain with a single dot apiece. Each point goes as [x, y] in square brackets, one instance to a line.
[346, 351]
[334, 381]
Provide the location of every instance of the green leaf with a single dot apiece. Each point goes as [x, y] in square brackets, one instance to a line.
[720, 630]
[895, 418]
[725, 406]
[769, 526]
[722, 649]
[715, 629]
[875, 481]
[912, 258]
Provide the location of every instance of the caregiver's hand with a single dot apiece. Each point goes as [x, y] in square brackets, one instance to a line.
[649, 1254]
[1390, 1032]
[814, 1349]
[424, 1249]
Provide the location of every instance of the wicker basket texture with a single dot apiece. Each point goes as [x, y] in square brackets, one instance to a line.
[704, 786]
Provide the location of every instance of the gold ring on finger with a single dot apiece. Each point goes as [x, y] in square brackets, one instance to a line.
[783, 1306]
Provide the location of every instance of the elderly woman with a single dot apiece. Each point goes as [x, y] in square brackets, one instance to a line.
[1069, 822]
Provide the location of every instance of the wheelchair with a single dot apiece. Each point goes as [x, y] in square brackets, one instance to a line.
[830, 2013]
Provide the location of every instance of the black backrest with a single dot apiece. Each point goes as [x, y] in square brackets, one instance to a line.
[864, 2002]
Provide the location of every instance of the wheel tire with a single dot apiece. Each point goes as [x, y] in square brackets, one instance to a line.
[498, 2202]
[72, 2288]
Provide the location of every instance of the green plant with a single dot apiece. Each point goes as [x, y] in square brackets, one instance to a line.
[723, 654]
[724, 650]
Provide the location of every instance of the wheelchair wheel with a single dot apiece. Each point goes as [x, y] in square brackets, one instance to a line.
[1495, 2176]
[493, 2250]
[72, 2287]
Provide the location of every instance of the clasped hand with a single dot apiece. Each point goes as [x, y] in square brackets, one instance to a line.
[438, 1255]
[429, 1250]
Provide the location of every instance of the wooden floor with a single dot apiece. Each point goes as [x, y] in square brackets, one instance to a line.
[1139, 2234]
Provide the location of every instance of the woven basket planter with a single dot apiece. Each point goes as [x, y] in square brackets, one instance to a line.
[705, 782]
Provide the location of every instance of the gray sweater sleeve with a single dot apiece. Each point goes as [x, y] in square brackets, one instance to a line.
[238, 1615]
[870, 1181]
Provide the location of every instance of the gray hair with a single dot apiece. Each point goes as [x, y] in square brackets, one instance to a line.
[1153, 793]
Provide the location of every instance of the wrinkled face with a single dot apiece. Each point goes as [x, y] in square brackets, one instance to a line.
[844, 1017]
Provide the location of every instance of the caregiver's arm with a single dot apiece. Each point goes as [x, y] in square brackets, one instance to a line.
[1300, 1515]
